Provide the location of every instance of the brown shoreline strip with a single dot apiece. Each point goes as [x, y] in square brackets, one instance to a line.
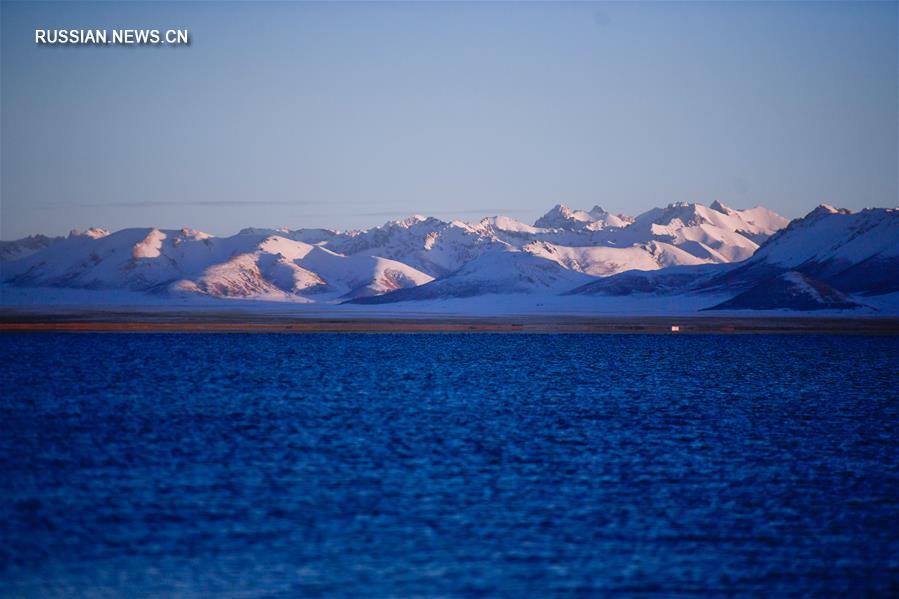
[623, 325]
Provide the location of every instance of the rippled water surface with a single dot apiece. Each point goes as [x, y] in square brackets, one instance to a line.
[353, 464]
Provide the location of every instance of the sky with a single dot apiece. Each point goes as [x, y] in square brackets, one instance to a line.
[345, 115]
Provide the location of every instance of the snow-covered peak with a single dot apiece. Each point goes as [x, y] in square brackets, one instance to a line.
[288, 248]
[597, 211]
[826, 209]
[828, 234]
[563, 211]
[763, 220]
[680, 213]
[719, 207]
[411, 221]
[754, 224]
[188, 234]
[92, 233]
[505, 223]
[563, 217]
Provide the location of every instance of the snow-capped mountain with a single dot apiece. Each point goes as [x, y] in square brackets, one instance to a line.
[857, 252]
[564, 249]
[595, 219]
[680, 234]
[715, 234]
[817, 262]
[513, 257]
[825, 259]
[252, 264]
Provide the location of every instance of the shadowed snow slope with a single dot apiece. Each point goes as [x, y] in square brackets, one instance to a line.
[791, 290]
[13, 250]
[853, 252]
[814, 263]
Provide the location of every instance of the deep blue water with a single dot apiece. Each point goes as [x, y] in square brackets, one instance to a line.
[353, 464]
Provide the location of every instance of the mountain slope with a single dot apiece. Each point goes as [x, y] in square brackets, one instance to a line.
[493, 272]
[791, 290]
[854, 252]
[817, 262]
[359, 275]
[19, 248]
[602, 261]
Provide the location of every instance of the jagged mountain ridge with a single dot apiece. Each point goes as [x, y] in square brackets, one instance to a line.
[595, 219]
[19, 248]
[415, 258]
[328, 265]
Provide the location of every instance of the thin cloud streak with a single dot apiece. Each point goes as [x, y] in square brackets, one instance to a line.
[485, 211]
[250, 203]
[202, 203]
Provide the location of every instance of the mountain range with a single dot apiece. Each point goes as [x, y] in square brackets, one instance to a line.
[718, 257]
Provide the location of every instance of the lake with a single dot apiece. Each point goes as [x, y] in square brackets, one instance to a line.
[448, 464]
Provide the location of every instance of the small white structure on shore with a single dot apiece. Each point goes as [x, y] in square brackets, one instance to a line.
[675, 328]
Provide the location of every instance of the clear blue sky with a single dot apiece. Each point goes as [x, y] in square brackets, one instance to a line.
[345, 115]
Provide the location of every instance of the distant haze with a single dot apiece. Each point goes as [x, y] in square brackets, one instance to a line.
[346, 114]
